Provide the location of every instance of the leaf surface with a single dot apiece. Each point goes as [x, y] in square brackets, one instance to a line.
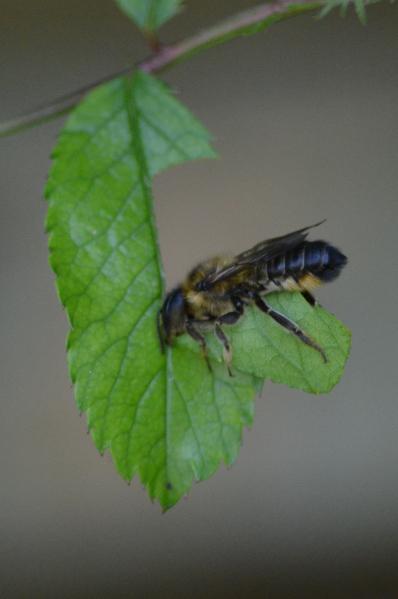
[164, 417]
[149, 15]
[265, 349]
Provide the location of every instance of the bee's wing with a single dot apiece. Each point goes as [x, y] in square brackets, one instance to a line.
[270, 248]
[262, 252]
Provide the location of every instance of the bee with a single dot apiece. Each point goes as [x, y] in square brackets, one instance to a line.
[216, 292]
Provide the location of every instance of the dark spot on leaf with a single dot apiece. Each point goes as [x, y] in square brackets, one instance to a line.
[169, 486]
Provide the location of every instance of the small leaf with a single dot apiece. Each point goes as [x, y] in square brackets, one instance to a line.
[360, 9]
[359, 5]
[263, 348]
[164, 417]
[149, 15]
[327, 8]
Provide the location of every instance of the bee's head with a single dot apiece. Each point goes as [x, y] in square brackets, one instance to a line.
[171, 317]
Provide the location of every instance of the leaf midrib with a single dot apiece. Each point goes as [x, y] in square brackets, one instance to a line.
[133, 117]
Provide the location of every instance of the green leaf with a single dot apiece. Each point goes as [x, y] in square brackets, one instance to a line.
[164, 417]
[359, 5]
[149, 15]
[360, 9]
[263, 348]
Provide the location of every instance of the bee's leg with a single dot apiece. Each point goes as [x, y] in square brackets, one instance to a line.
[227, 352]
[289, 325]
[239, 306]
[306, 294]
[310, 298]
[194, 333]
[230, 318]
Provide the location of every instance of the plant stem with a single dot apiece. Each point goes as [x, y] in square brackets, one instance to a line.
[244, 23]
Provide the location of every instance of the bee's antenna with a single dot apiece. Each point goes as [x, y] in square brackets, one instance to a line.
[317, 224]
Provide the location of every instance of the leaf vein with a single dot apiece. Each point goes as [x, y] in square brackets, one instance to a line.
[126, 338]
[188, 412]
[145, 393]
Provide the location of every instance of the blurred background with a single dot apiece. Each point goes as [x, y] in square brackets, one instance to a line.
[305, 121]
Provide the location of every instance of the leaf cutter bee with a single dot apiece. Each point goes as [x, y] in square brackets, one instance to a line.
[217, 291]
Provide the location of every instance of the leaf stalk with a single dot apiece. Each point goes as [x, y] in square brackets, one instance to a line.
[243, 23]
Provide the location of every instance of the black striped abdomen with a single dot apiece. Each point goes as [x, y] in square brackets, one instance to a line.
[315, 257]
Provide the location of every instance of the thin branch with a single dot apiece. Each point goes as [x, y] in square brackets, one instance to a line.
[244, 23]
[56, 108]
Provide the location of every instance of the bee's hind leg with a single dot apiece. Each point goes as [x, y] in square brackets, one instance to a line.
[229, 318]
[194, 333]
[310, 298]
[289, 325]
[307, 295]
[227, 351]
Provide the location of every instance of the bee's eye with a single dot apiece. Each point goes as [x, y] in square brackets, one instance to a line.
[174, 303]
[173, 312]
[201, 286]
